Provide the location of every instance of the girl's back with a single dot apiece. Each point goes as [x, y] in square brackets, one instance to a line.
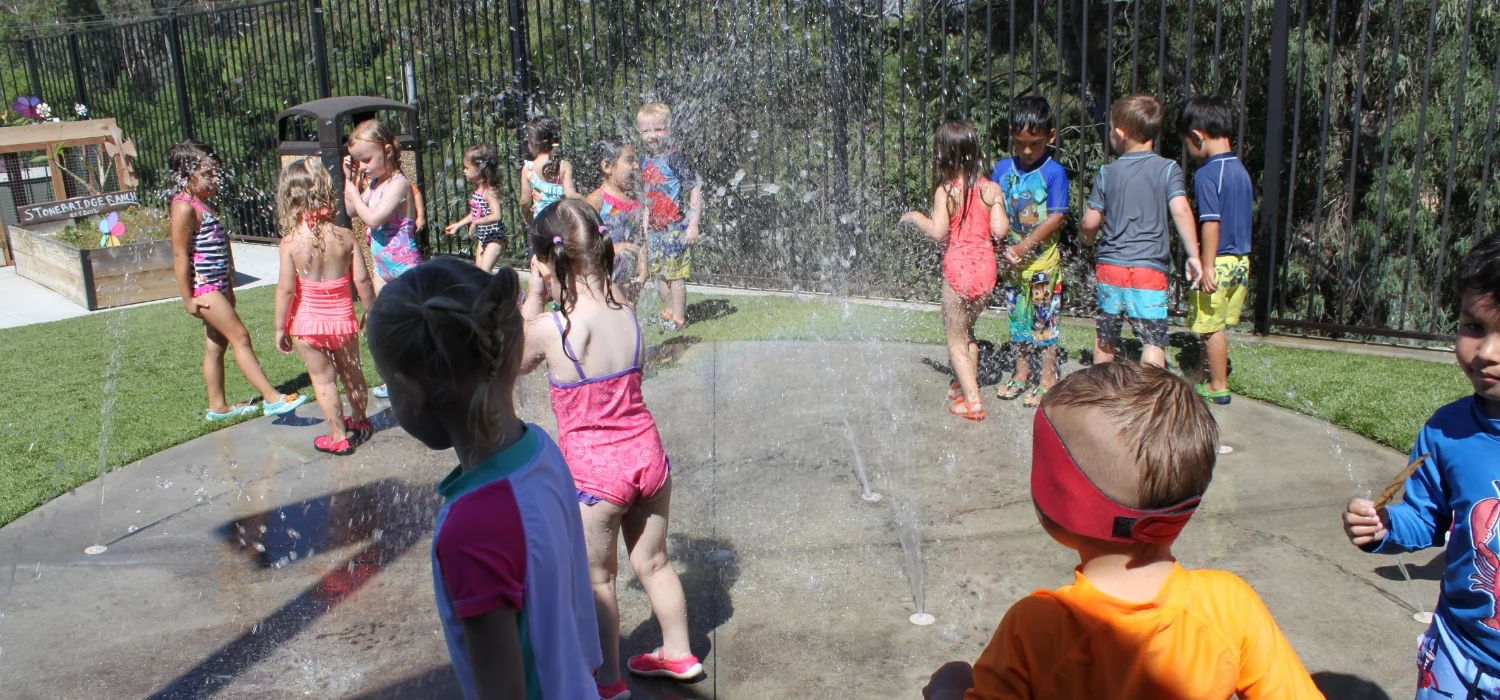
[969, 213]
[324, 256]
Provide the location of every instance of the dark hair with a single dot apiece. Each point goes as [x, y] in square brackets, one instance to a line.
[570, 237]
[1157, 415]
[1138, 115]
[1032, 113]
[1479, 273]
[544, 135]
[955, 156]
[605, 150]
[1209, 114]
[449, 323]
[488, 161]
[184, 157]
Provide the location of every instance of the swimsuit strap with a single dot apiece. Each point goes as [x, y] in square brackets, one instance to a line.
[568, 347]
[185, 197]
[635, 360]
[617, 203]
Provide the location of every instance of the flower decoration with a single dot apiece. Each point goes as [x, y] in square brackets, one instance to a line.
[26, 107]
[112, 228]
[43, 111]
[81, 111]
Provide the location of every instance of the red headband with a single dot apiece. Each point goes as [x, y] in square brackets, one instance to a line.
[1066, 495]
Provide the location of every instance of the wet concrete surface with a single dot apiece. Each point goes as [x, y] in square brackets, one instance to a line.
[246, 565]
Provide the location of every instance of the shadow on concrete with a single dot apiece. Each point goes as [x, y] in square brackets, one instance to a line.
[390, 515]
[711, 568]
[437, 684]
[1342, 686]
[295, 384]
[665, 355]
[708, 310]
[998, 364]
[1431, 571]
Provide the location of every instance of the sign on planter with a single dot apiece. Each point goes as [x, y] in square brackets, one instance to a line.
[76, 207]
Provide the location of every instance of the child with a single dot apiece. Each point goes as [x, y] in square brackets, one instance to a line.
[606, 432]
[1121, 453]
[965, 217]
[547, 177]
[671, 233]
[482, 169]
[314, 311]
[204, 268]
[1454, 497]
[385, 204]
[615, 200]
[1133, 197]
[1034, 189]
[509, 568]
[1225, 199]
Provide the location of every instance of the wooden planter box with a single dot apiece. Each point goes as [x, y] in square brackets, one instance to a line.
[97, 278]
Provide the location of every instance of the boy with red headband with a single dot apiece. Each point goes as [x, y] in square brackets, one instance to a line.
[1121, 455]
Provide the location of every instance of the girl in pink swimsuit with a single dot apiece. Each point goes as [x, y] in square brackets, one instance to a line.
[965, 217]
[314, 309]
[593, 352]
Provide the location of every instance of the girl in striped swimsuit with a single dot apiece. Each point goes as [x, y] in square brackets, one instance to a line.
[205, 274]
[482, 170]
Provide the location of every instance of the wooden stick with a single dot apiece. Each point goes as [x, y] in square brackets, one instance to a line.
[1389, 494]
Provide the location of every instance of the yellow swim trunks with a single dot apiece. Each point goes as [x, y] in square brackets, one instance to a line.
[1213, 312]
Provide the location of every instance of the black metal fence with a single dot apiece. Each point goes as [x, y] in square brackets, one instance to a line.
[1369, 125]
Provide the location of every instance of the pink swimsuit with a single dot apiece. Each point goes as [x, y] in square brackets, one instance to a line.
[607, 434]
[969, 264]
[322, 314]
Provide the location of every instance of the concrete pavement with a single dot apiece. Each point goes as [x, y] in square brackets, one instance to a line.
[243, 564]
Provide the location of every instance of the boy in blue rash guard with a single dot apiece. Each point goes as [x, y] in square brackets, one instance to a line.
[1455, 495]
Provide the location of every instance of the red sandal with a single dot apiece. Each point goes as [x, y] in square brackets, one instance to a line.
[326, 444]
[972, 411]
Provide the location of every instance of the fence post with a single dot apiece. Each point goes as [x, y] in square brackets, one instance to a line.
[76, 59]
[179, 77]
[320, 48]
[839, 90]
[520, 66]
[1270, 205]
[32, 72]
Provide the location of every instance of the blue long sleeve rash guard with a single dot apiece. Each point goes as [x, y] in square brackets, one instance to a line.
[1455, 495]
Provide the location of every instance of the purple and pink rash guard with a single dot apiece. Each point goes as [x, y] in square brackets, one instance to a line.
[509, 537]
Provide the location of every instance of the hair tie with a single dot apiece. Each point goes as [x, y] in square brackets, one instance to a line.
[557, 240]
[603, 230]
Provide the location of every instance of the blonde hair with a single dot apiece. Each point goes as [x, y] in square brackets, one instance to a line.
[449, 324]
[304, 188]
[376, 132]
[655, 109]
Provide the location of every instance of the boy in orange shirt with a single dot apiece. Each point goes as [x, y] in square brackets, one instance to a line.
[1121, 455]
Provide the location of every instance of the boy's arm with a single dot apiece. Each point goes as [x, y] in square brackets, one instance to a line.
[1093, 218]
[695, 204]
[1209, 246]
[1057, 210]
[1049, 226]
[1187, 228]
[1206, 196]
[1269, 667]
[1423, 517]
[1001, 672]
[494, 642]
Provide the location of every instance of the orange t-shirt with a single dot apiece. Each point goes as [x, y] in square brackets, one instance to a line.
[1205, 636]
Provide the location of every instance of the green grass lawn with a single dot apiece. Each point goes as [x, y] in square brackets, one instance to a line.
[56, 377]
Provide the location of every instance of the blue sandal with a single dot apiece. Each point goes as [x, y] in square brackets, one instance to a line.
[235, 411]
[287, 404]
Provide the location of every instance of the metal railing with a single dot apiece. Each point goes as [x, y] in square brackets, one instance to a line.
[1369, 125]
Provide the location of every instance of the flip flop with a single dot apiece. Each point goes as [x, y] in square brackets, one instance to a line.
[287, 404]
[972, 411]
[235, 411]
[1019, 387]
[1035, 398]
[1220, 398]
[955, 390]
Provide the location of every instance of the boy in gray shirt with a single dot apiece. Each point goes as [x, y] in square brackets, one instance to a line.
[1136, 199]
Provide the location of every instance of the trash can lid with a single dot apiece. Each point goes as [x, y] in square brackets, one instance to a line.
[339, 107]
